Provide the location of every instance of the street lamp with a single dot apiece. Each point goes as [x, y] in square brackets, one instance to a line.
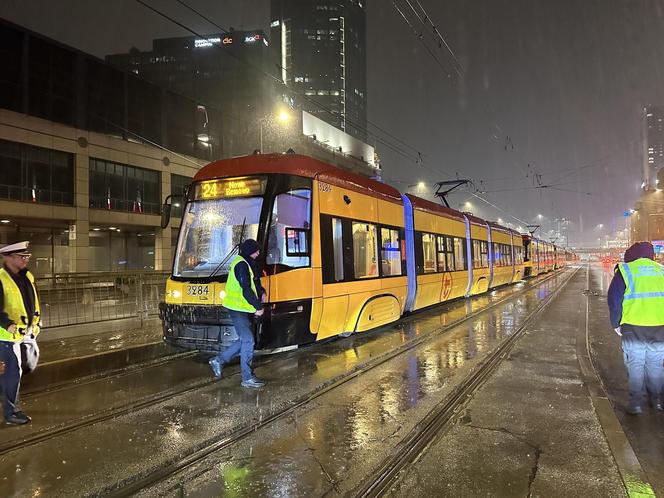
[282, 117]
[421, 186]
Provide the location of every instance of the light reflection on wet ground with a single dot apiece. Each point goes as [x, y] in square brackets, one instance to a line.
[377, 406]
[328, 446]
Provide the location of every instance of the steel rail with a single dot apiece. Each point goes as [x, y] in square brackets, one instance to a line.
[424, 433]
[133, 485]
[152, 400]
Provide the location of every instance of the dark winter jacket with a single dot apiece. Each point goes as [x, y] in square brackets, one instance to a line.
[244, 278]
[614, 298]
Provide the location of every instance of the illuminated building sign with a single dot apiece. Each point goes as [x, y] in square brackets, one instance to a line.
[274, 24]
[234, 187]
[252, 38]
[206, 42]
[227, 40]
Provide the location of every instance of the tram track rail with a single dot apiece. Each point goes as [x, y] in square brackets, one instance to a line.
[113, 412]
[151, 479]
[148, 401]
[416, 443]
[104, 375]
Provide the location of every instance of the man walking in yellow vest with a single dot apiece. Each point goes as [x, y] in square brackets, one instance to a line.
[636, 306]
[19, 319]
[242, 301]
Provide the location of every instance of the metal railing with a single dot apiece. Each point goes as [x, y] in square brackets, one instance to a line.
[80, 298]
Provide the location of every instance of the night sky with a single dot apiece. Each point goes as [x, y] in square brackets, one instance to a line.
[551, 92]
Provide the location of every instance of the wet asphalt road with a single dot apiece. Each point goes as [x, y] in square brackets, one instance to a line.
[329, 440]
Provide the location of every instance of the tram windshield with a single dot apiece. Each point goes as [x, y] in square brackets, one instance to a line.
[210, 231]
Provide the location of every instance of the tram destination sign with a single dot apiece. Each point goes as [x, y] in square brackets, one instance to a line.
[233, 187]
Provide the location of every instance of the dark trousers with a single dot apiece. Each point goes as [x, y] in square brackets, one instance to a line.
[643, 352]
[10, 354]
[244, 345]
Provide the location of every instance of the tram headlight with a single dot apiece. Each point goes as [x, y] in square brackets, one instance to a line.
[222, 294]
[176, 294]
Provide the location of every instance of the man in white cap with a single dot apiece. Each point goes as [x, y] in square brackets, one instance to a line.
[19, 319]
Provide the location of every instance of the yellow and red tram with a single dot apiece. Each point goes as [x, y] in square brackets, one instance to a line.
[340, 253]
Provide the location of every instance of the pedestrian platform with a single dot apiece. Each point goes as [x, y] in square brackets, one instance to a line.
[66, 359]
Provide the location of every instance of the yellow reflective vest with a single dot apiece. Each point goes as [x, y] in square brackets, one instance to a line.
[234, 299]
[15, 308]
[643, 301]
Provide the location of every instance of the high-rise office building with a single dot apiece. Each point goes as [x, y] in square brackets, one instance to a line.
[320, 47]
[229, 72]
[653, 126]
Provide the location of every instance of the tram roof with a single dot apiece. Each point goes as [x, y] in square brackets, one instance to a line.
[476, 220]
[497, 226]
[433, 208]
[298, 165]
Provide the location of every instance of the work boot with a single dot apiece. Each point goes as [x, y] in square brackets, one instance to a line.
[253, 382]
[634, 409]
[18, 418]
[215, 365]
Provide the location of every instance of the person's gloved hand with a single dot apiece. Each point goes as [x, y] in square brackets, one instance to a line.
[618, 331]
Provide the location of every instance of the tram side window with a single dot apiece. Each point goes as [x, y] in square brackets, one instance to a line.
[429, 252]
[497, 254]
[338, 249]
[460, 254]
[440, 253]
[291, 209]
[480, 254]
[365, 250]
[390, 252]
[518, 255]
[507, 254]
[502, 254]
[445, 253]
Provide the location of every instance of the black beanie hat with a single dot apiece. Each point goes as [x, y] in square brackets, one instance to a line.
[248, 247]
[639, 250]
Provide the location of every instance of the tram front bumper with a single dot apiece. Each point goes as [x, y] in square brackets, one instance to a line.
[197, 327]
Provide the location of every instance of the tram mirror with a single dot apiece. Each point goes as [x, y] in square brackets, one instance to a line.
[165, 215]
[297, 242]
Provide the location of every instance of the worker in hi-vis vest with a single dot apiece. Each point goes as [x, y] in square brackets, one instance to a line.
[19, 322]
[244, 299]
[636, 306]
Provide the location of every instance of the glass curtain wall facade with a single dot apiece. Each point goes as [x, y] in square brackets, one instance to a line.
[121, 187]
[35, 174]
[320, 47]
[42, 78]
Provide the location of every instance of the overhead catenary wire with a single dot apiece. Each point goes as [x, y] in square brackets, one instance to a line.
[509, 143]
[528, 171]
[424, 20]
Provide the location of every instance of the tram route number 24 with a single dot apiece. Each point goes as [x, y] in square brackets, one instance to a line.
[202, 291]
